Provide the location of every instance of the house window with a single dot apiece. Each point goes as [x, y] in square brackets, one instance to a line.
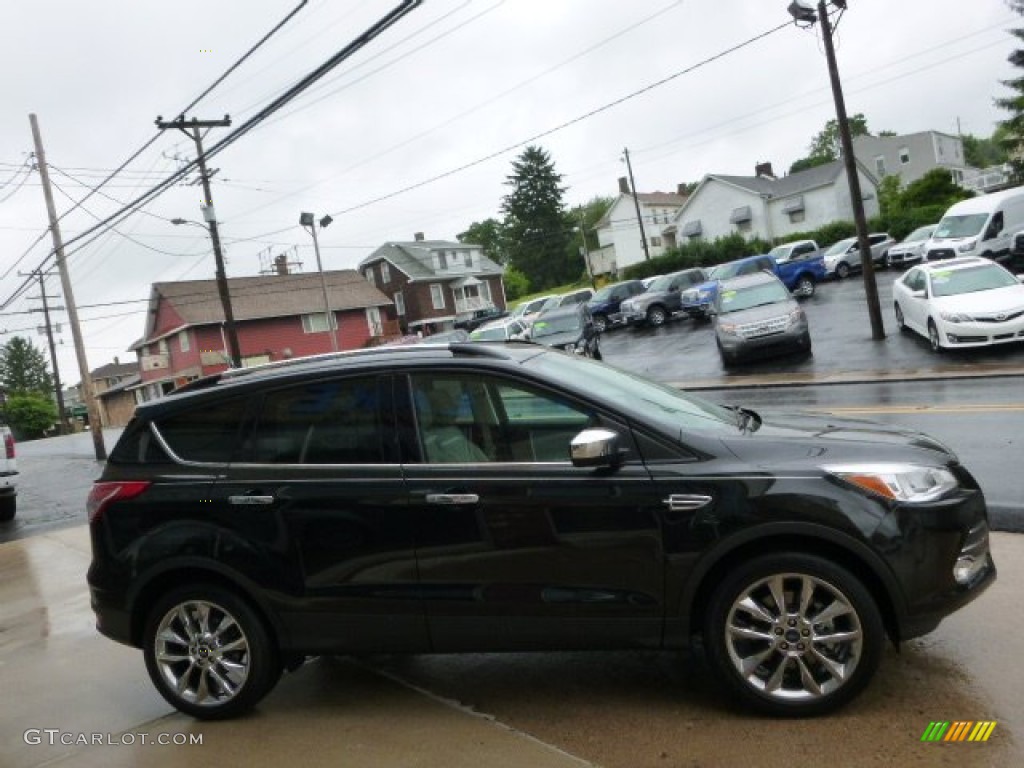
[385, 274]
[795, 217]
[370, 276]
[373, 321]
[183, 341]
[904, 155]
[437, 295]
[656, 242]
[400, 303]
[469, 258]
[880, 166]
[162, 346]
[316, 322]
[442, 260]
[744, 226]
[485, 291]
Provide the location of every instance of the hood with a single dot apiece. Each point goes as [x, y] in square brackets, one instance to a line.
[560, 339]
[785, 436]
[1000, 300]
[758, 314]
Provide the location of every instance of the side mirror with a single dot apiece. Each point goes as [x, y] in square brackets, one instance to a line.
[918, 294]
[596, 448]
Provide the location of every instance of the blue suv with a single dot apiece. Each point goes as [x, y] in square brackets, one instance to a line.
[700, 298]
[606, 304]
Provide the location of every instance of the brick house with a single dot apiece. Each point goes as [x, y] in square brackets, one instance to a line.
[111, 385]
[277, 317]
[434, 283]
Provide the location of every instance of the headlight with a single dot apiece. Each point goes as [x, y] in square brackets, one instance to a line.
[796, 316]
[704, 294]
[897, 482]
[967, 246]
[955, 317]
[729, 328]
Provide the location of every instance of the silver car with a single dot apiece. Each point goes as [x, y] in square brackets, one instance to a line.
[911, 249]
[756, 315]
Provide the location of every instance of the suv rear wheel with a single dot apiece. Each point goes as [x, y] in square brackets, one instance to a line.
[656, 316]
[8, 508]
[793, 634]
[208, 652]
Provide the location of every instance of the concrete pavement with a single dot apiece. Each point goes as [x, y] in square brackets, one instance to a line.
[62, 681]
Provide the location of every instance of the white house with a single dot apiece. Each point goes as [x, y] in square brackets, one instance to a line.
[618, 231]
[770, 208]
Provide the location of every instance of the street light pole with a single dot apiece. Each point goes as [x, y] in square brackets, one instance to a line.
[308, 220]
[856, 200]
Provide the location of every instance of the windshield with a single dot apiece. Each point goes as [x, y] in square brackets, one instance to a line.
[604, 294]
[841, 247]
[985, 277]
[921, 233]
[725, 271]
[674, 411]
[780, 252]
[737, 300]
[961, 226]
[496, 333]
[549, 326]
[662, 283]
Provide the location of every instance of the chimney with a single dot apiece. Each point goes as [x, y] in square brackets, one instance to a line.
[116, 361]
[281, 264]
[418, 237]
[681, 190]
[764, 171]
[624, 185]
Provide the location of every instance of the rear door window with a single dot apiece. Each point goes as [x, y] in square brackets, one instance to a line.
[208, 433]
[337, 421]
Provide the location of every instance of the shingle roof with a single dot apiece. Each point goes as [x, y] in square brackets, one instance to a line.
[661, 198]
[252, 298]
[414, 258]
[115, 370]
[794, 184]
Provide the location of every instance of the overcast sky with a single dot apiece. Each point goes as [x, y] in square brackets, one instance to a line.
[454, 82]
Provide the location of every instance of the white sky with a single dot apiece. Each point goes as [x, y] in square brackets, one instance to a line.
[455, 81]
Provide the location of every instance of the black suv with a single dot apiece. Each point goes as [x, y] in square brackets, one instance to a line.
[509, 497]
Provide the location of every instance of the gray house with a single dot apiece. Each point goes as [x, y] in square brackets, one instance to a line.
[911, 156]
[768, 207]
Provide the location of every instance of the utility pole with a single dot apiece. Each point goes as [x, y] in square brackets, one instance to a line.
[95, 425]
[59, 390]
[586, 251]
[191, 129]
[859, 219]
[636, 202]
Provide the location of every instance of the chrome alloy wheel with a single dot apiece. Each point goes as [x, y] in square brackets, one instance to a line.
[202, 653]
[794, 637]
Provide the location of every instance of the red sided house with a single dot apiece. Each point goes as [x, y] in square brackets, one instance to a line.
[277, 317]
[434, 283]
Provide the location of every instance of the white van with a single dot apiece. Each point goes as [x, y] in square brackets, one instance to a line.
[981, 226]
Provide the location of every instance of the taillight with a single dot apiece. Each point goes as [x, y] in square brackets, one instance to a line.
[103, 495]
[9, 445]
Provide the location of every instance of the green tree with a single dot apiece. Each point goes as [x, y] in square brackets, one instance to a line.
[1013, 137]
[537, 229]
[889, 195]
[488, 235]
[934, 188]
[587, 215]
[30, 414]
[825, 146]
[23, 368]
[517, 284]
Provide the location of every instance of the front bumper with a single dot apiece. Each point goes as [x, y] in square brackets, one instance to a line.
[794, 339]
[981, 334]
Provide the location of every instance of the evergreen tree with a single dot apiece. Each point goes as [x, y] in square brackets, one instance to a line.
[537, 230]
[1013, 139]
[23, 368]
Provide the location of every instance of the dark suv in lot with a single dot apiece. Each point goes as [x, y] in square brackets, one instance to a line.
[510, 497]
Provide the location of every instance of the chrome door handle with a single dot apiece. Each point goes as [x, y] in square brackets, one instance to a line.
[250, 500]
[452, 499]
[685, 502]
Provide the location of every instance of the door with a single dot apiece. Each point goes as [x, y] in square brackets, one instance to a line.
[516, 547]
[915, 311]
[320, 479]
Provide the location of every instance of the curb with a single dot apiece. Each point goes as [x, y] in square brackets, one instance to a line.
[853, 377]
[1008, 518]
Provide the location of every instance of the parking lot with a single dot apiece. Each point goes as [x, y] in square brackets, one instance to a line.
[683, 351]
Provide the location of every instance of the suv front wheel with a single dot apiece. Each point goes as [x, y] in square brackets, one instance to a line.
[208, 652]
[793, 634]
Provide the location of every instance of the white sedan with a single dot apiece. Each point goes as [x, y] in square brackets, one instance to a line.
[965, 302]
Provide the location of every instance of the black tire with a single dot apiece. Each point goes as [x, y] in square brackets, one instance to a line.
[842, 270]
[8, 508]
[728, 360]
[835, 672]
[199, 662]
[600, 323]
[597, 351]
[900, 323]
[656, 316]
[933, 337]
[804, 286]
